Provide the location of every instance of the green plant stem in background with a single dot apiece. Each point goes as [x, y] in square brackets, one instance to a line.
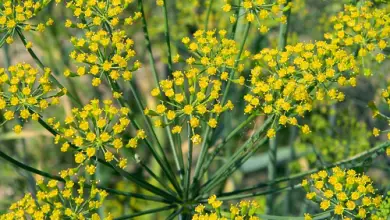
[167, 36]
[179, 164]
[187, 176]
[272, 151]
[206, 23]
[272, 162]
[283, 28]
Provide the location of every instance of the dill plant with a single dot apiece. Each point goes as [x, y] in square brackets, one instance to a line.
[178, 138]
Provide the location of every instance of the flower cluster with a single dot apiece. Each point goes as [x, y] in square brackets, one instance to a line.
[195, 94]
[96, 129]
[104, 49]
[258, 11]
[213, 51]
[25, 91]
[114, 62]
[59, 201]
[364, 26]
[16, 14]
[349, 194]
[242, 210]
[97, 13]
[286, 83]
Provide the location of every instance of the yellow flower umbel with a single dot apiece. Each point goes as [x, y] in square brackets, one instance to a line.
[104, 54]
[71, 200]
[286, 83]
[349, 194]
[25, 92]
[213, 52]
[194, 95]
[242, 210]
[95, 130]
[258, 11]
[16, 15]
[363, 27]
[97, 12]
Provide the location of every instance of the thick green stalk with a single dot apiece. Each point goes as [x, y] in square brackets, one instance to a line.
[157, 80]
[150, 211]
[272, 155]
[283, 29]
[54, 177]
[206, 23]
[289, 197]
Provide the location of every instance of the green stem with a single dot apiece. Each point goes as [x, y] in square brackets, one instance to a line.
[156, 79]
[140, 182]
[272, 151]
[254, 194]
[150, 211]
[361, 156]
[238, 162]
[167, 36]
[239, 157]
[148, 43]
[189, 165]
[163, 162]
[272, 155]
[237, 61]
[54, 177]
[202, 168]
[206, 23]
[283, 29]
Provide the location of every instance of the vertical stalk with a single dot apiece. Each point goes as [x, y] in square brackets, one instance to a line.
[272, 151]
[167, 36]
[272, 155]
[289, 199]
[189, 165]
[284, 28]
[157, 80]
[206, 23]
